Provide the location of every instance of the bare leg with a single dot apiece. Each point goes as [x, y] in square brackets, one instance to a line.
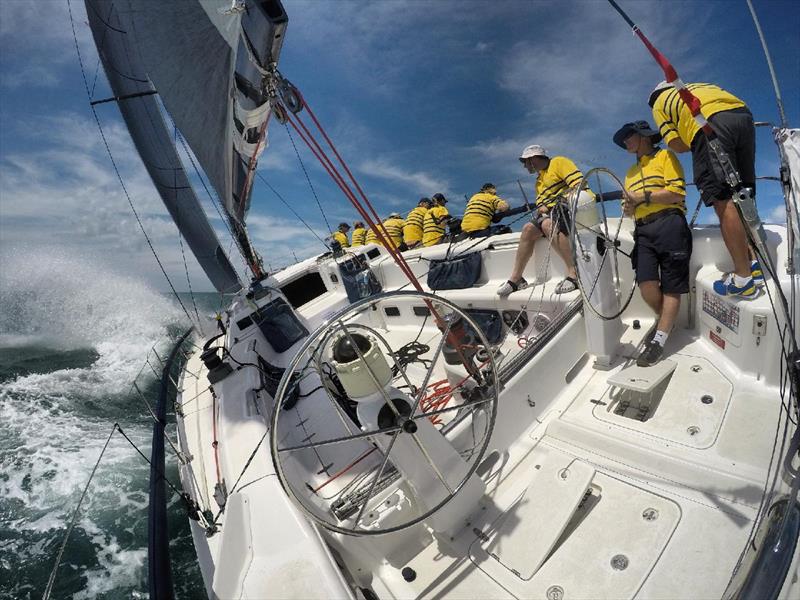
[734, 236]
[530, 233]
[562, 246]
[669, 312]
[565, 252]
[651, 293]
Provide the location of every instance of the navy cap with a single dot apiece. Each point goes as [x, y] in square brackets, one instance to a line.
[640, 127]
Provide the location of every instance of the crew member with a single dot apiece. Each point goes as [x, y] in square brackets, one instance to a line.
[557, 177]
[415, 222]
[359, 234]
[394, 227]
[340, 235]
[372, 237]
[655, 195]
[480, 210]
[433, 227]
[732, 121]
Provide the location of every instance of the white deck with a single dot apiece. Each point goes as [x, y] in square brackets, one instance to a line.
[663, 478]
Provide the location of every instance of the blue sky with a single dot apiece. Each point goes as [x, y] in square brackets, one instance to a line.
[420, 97]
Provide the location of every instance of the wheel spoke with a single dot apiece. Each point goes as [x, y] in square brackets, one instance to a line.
[376, 480]
[339, 440]
[433, 466]
[352, 509]
[613, 243]
[425, 381]
[441, 411]
[597, 276]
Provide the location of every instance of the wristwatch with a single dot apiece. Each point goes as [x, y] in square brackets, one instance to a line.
[647, 198]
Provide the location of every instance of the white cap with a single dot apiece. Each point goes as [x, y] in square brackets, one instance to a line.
[532, 150]
[395, 215]
[663, 85]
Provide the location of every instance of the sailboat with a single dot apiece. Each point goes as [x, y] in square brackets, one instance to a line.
[375, 424]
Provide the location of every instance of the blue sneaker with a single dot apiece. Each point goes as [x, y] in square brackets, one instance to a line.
[726, 287]
[756, 273]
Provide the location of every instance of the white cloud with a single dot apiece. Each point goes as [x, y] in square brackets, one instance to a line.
[581, 71]
[66, 193]
[416, 182]
[776, 215]
[36, 41]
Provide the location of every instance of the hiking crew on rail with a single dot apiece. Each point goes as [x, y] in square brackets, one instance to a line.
[556, 179]
[415, 223]
[483, 208]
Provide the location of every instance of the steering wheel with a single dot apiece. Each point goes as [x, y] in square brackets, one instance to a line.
[349, 472]
[597, 248]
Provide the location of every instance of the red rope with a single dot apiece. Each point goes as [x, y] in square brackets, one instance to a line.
[308, 138]
[345, 470]
[401, 261]
[375, 223]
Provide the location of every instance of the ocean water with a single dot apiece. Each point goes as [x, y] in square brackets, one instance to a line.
[72, 339]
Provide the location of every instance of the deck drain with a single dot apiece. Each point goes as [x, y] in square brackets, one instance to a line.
[619, 562]
[693, 430]
[555, 592]
[707, 399]
[650, 514]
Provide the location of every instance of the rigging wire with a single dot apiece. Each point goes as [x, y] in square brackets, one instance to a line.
[215, 201]
[116, 169]
[374, 222]
[289, 206]
[778, 98]
[180, 238]
[308, 179]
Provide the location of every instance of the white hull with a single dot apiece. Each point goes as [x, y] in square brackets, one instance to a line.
[676, 482]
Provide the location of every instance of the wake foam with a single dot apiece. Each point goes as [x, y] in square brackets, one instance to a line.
[56, 422]
[68, 303]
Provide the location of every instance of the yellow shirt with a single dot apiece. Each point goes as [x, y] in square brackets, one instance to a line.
[432, 231]
[674, 119]
[480, 210]
[394, 227]
[372, 237]
[359, 235]
[341, 238]
[659, 171]
[415, 222]
[554, 182]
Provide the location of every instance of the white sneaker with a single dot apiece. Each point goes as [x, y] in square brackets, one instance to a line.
[509, 287]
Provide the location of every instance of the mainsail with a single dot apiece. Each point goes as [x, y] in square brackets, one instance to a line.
[220, 104]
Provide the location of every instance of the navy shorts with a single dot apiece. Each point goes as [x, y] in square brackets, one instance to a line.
[661, 252]
[737, 135]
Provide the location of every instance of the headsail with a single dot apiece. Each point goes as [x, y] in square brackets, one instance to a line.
[219, 103]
